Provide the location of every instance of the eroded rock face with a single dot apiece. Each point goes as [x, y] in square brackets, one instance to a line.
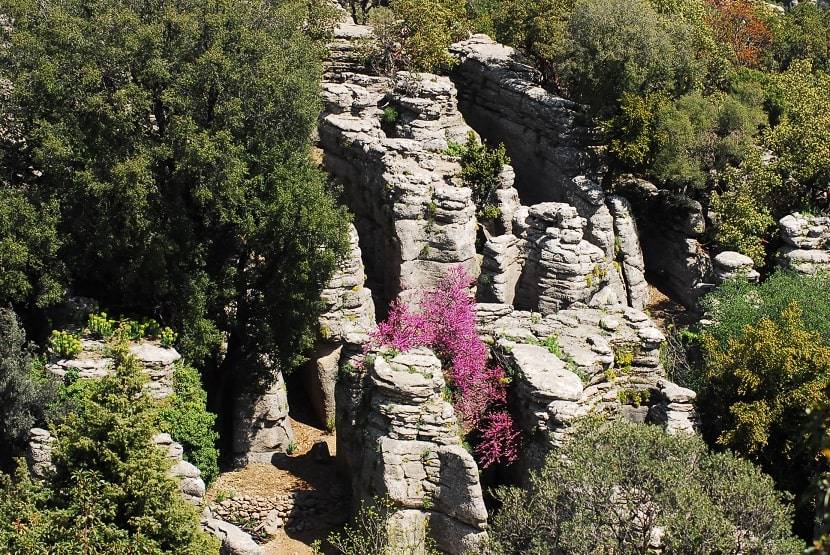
[671, 227]
[582, 360]
[730, 264]
[414, 217]
[261, 425]
[92, 363]
[500, 96]
[348, 318]
[191, 485]
[406, 447]
[807, 243]
[39, 452]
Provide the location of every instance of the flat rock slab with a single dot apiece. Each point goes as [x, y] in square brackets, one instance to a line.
[545, 373]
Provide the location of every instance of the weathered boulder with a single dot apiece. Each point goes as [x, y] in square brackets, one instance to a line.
[409, 450]
[39, 452]
[191, 485]
[730, 264]
[807, 243]
[261, 424]
[233, 540]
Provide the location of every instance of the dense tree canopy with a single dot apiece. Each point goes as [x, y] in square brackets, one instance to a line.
[613, 485]
[162, 148]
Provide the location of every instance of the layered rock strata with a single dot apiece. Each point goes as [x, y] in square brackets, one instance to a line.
[343, 327]
[406, 447]
[415, 219]
[806, 243]
[578, 361]
[191, 485]
[729, 264]
[545, 135]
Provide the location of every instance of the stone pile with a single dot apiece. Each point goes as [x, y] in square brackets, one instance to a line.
[92, 363]
[583, 360]
[39, 452]
[406, 447]
[806, 243]
[349, 316]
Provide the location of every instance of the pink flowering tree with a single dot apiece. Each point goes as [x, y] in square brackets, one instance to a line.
[445, 322]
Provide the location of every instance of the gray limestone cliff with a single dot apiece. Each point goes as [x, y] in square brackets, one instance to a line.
[806, 243]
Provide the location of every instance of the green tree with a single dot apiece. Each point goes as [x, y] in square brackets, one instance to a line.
[760, 386]
[174, 137]
[185, 417]
[110, 492]
[613, 485]
[803, 32]
[25, 394]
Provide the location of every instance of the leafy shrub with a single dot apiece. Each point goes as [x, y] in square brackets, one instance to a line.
[481, 167]
[167, 337]
[64, 344]
[25, 392]
[372, 531]
[390, 115]
[110, 492]
[803, 32]
[446, 323]
[739, 24]
[185, 417]
[101, 326]
[759, 385]
[613, 485]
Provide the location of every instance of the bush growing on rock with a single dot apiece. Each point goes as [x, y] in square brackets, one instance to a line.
[445, 322]
[621, 488]
[110, 492]
[25, 393]
[185, 417]
[481, 168]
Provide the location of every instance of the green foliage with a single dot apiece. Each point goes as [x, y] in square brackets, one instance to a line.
[414, 35]
[389, 116]
[167, 337]
[552, 343]
[100, 325]
[64, 344]
[32, 273]
[801, 140]
[188, 130]
[110, 492]
[759, 387]
[586, 497]
[25, 392]
[803, 32]
[185, 417]
[372, 531]
[481, 167]
[737, 303]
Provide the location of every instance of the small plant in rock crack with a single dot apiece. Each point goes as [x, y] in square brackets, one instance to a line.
[389, 116]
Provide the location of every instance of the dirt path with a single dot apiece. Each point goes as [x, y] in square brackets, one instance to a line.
[309, 481]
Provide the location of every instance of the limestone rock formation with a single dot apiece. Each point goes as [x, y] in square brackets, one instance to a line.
[408, 448]
[671, 227]
[343, 328]
[92, 362]
[39, 452]
[807, 243]
[729, 264]
[261, 428]
[191, 485]
[233, 540]
[500, 96]
[582, 360]
[415, 219]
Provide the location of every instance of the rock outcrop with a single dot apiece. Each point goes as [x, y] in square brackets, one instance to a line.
[261, 428]
[407, 448]
[233, 540]
[39, 452]
[671, 227]
[343, 328]
[806, 243]
[189, 477]
[92, 362]
[545, 135]
[582, 360]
